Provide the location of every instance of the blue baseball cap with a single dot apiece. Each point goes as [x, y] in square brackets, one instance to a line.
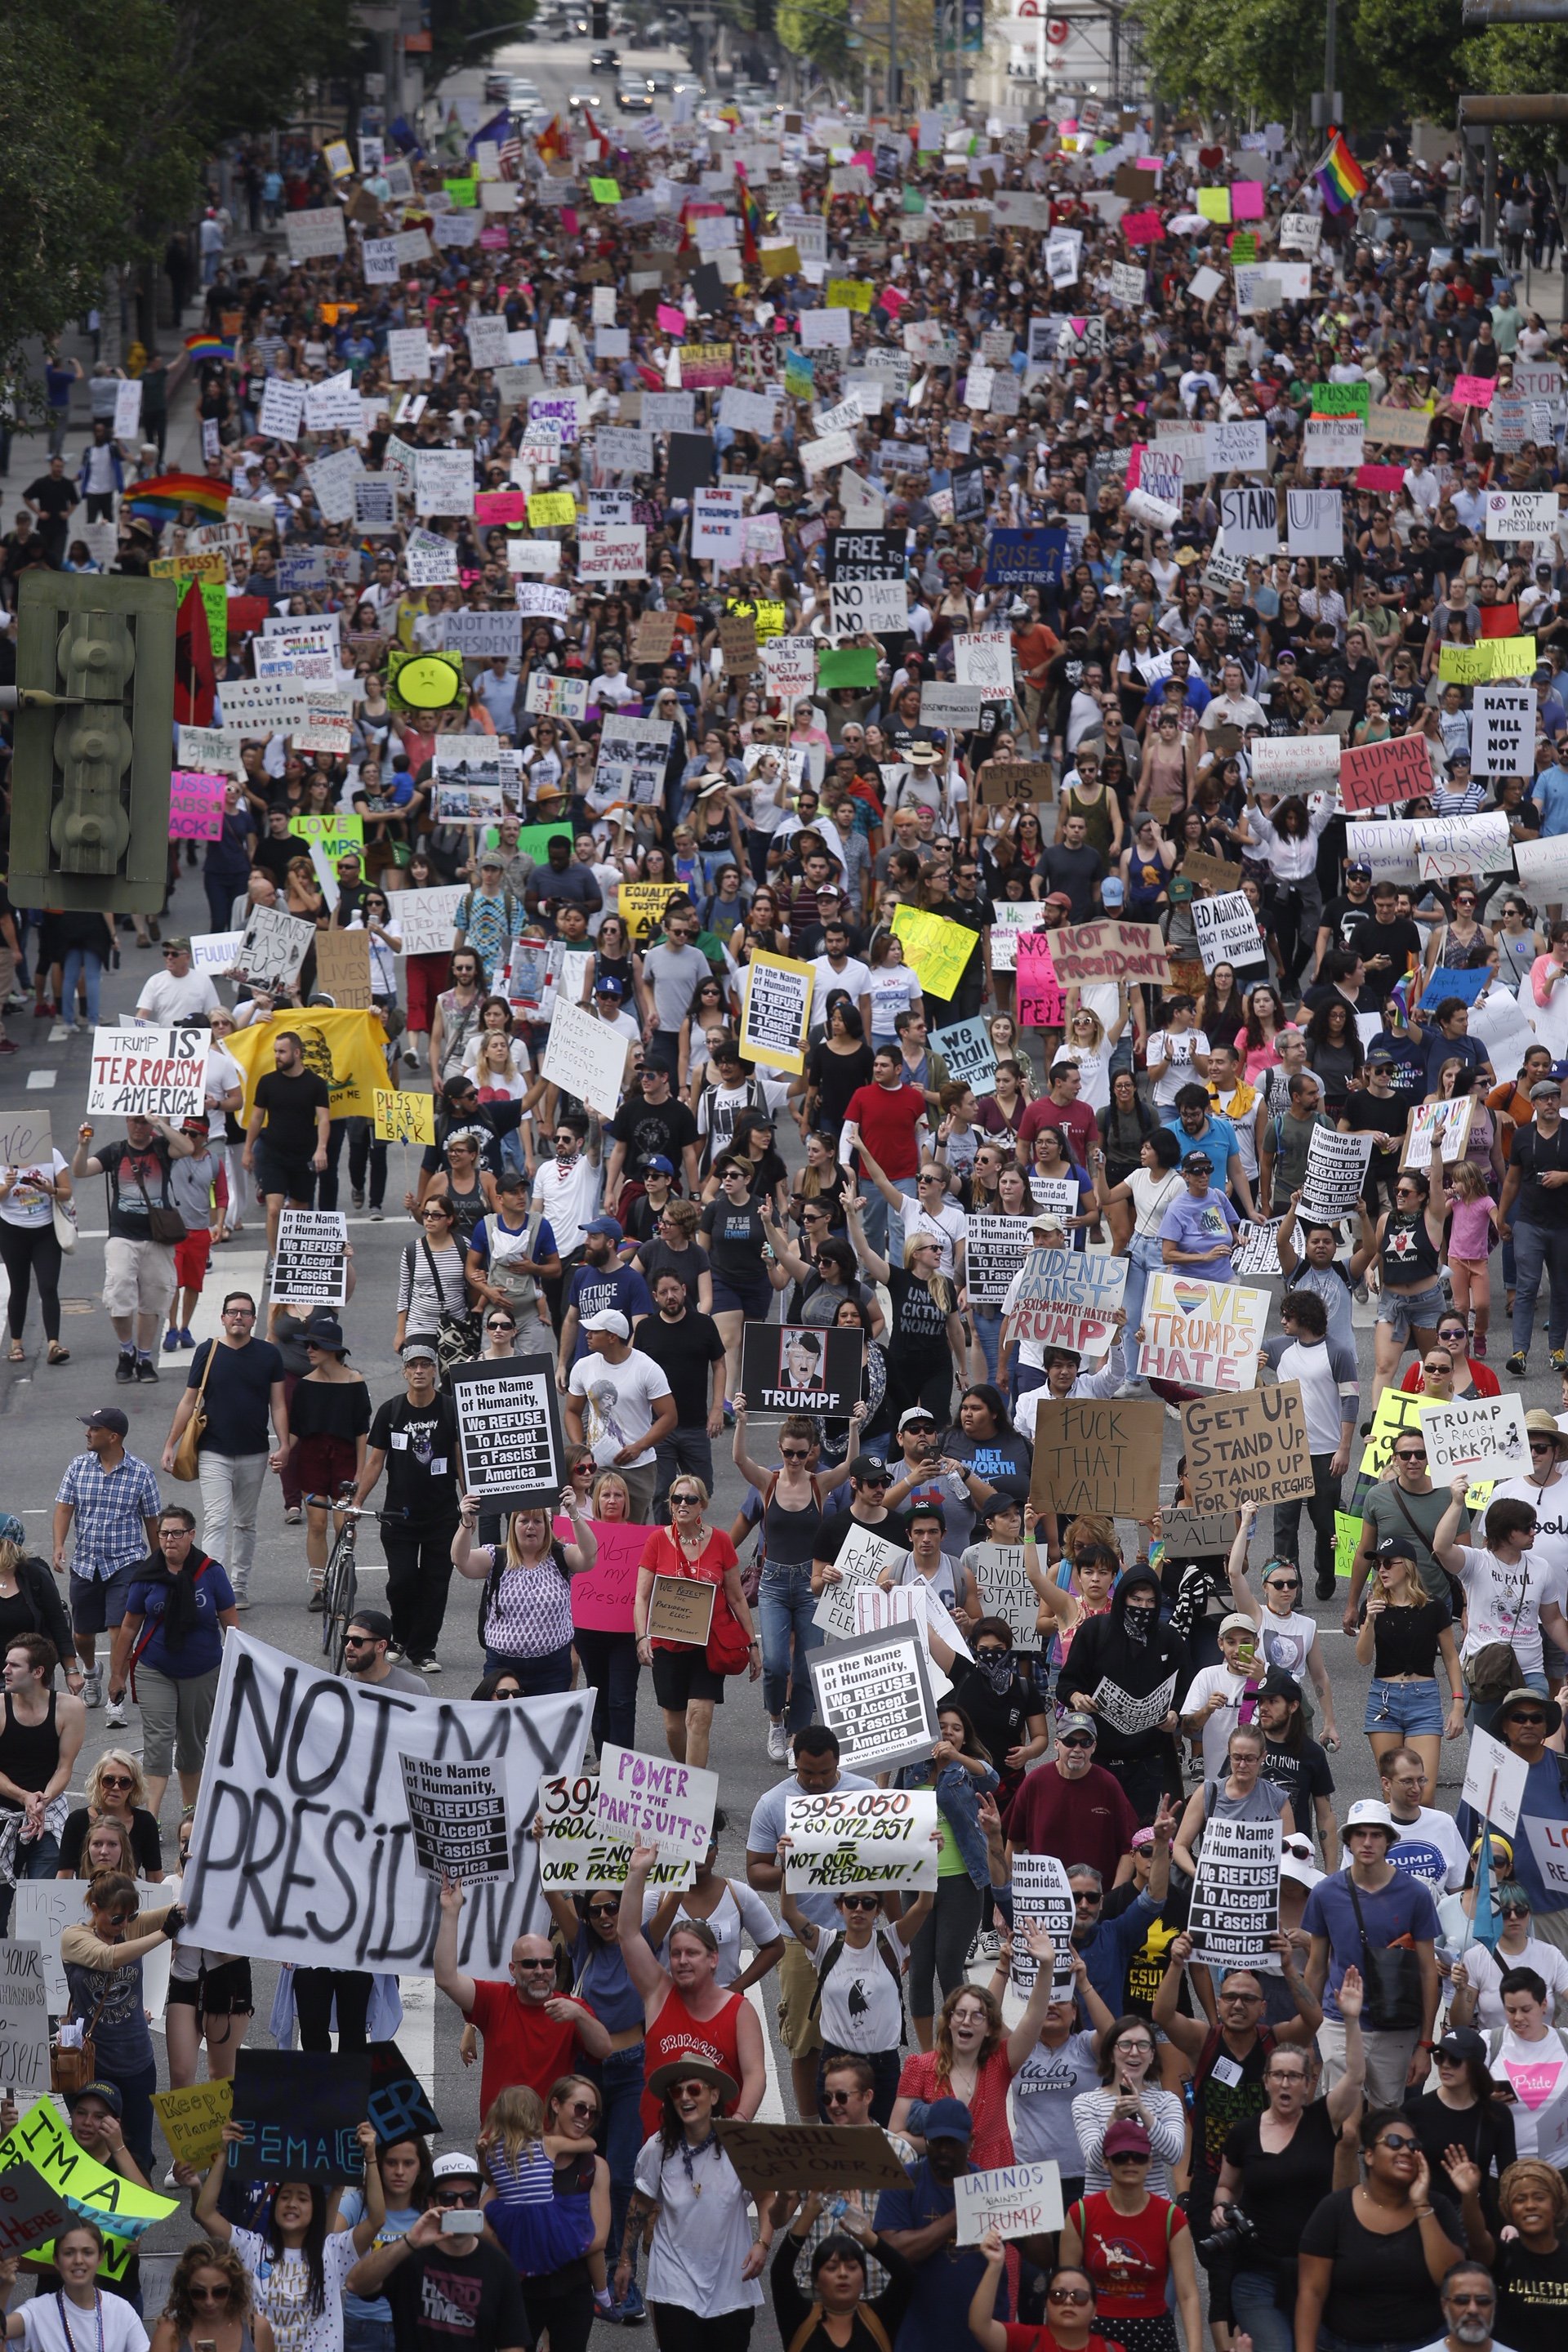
[605, 1226]
[658, 1165]
[948, 2120]
[608, 986]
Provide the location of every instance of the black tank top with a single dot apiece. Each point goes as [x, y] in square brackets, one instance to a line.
[789, 1537]
[467, 1207]
[1408, 1258]
[29, 1752]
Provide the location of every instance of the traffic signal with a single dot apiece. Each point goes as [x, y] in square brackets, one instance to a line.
[89, 781]
[601, 20]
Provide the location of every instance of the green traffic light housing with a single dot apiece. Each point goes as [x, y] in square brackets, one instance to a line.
[89, 790]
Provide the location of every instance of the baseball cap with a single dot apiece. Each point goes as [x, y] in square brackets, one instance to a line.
[1463, 2041]
[1195, 1159]
[455, 2165]
[1396, 1547]
[373, 1621]
[420, 1351]
[107, 1417]
[1382, 1057]
[1047, 1221]
[949, 2119]
[1367, 1813]
[1126, 2138]
[1358, 866]
[492, 857]
[608, 986]
[104, 2091]
[1236, 1623]
[1277, 1684]
[870, 1470]
[916, 1416]
[1057, 899]
[611, 1225]
[658, 1165]
[1111, 893]
[1077, 1723]
[609, 1320]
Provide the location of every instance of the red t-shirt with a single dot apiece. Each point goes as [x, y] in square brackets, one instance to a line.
[1076, 1120]
[1127, 2255]
[664, 1556]
[1077, 1821]
[521, 2044]
[1486, 1381]
[887, 1118]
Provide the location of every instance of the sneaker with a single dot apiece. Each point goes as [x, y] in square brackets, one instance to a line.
[316, 1602]
[1361, 1294]
[607, 2310]
[171, 1341]
[1558, 1360]
[411, 1061]
[358, 1200]
[8, 1047]
[146, 1370]
[429, 1665]
[43, 1011]
[1479, 1350]
[1516, 1364]
[92, 1688]
[115, 1716]
[632, 2310]
[376, 1214]
[242, 1597]
[1324, 1586]
[125, 1368]
[778, 1744]
[292, 1518]
[186, 1340]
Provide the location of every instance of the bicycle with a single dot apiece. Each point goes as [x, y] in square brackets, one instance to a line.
[339, 1583]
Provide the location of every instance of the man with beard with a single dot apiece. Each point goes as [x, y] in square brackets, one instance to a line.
[601, 1281]
[1130, 1649]
[651, 1124]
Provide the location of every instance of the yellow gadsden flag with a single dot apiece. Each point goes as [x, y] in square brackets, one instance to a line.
[347, 1049]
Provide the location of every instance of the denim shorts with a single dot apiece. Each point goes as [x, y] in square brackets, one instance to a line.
[1404, 1707]
[1404, 1311]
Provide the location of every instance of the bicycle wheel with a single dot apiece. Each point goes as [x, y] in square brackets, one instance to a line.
[338, 1591]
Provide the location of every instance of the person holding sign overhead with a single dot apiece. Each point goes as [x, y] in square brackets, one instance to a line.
[526, 1613]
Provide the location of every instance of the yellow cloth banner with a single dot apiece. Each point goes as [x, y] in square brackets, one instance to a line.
[548, 510]
[936, 951]
[347, 1049]
[1493, 657]
[404, 1118]
[849, 293]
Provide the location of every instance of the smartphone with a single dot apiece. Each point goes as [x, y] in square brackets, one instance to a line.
[461, 2221]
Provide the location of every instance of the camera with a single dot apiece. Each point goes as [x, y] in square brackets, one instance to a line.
[1237, 2230]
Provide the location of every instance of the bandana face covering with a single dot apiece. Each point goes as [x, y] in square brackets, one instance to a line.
[997, 1668]
[1138, 1617]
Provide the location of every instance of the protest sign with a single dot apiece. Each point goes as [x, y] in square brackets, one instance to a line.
[1227, 929]
[1038, 995]
[80, 2183]
[862, 1559]
[311, 1263]
[1042, 1901]
[846, 2160]
[149, 1073]
[1093, 1455]
[680, 1609]
[510, 1441]
[24, 2022]
[1495, 1781]
[1503, 730]
[1251, 1444]
[457, 1810]
[1110, 950]
[650, 1800]
[299, 2113]
[1235, 1896]
[1008, 921]
[574, 1852]
[776, 1013]
[195, 806]
[1067, 1298]
[1335, 1173]
[25, 1139]
[216, 951]
[1476, 1437]
[1249, 521]
[193, 2119]
[1374, 774]
[602, 1595]
[301, 1836]
[1187, 1533]
[995, 1249]
[1003, 1577]
[585, 1056]
[1016, 2200]
[861, 1838]
[404, 1118]
[1204, 1334]
[1446, 1125]
[33, 2213]
[874, 1691]
[1002, 782]
[1289, 764]
[274, 946]
[1132, 1716]
[1493, 657]
[937, 950]
[1314, 523]
[801, 1368]
[398, 2101]
[966, 1047]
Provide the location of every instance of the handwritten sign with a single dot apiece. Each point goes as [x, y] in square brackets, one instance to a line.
[1097, 1456]
[1016, 2200]
[1204, 1334]
[1255, 1444]
[651, 1800]
[861, 1838]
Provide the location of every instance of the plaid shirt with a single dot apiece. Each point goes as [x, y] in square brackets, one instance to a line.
[110, 1507]
[829, 2224]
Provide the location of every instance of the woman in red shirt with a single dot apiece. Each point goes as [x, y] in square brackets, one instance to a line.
[1469, 1377]
[1129, 2241]
[686, 1686]
[970, 2062]
[687, 2013]
[1070, 2312]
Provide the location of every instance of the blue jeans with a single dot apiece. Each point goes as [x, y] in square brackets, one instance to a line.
[537, 1676]
[367, 2334]
[136, 2124]
[80, 963]
[1144, 1257]
[988, 1331]
[620, 2133]
[40, 1858]
[1254, 2309]
[1539, 1249]
[785, 1606]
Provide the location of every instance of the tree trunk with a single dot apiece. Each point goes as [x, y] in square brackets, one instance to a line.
[110, 342]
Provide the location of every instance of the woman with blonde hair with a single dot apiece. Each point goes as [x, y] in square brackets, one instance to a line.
[115, 1791]
[1403, 1634]
[927, 1341]
[548, 2218]
[210, 2303]
[526, 1613]
[107, 1847]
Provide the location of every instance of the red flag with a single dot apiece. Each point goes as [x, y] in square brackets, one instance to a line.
[1499, 619]
[195, 680]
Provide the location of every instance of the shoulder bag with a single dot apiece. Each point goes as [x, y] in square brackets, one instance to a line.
[1494, 1670]
[186, 1464]
[457, 1335]
[1392, 1976]
[72, 2066]
[164, 1225]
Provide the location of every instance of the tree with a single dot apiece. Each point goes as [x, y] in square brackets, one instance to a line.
[1395, 58]
[820, 30]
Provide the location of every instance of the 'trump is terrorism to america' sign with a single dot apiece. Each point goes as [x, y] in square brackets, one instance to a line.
[148, 1073]
[303, 1848]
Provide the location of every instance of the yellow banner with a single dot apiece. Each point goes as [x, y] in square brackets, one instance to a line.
[1493, 657]
[208, 565]
[640, 905]
[776, 1014]
[849, 293]
[551, 510]
[936, 951]
[404, 1118]
[41, 2140]
[1398, 1410]
[347, 1049]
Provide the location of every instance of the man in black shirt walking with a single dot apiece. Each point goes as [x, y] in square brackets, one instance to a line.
[237, 1380]
[1535, 1201]
[687, 1350]
[286, 1135]
[414, 1438]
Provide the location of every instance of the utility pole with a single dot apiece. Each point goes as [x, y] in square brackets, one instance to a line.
[1328, 104]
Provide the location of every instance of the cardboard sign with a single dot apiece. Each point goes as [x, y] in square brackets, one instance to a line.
[458, 1812]
[404, 1118]
[274, 946]
[862, 1559]
[1444, 1124]
[1067, 1298]
[1372, 775]
[650, 1800]
[1093, 1455]
[810, 2155]
[1476, 1437]
[1110, 950]
[1204, 1334]
[194, 2118]
[312, 1264]
[680, 1609]
[299, 2112]
[151, 1073]
[1252, 1445]
[875, 1692]
[861, 1838]
[1002, 782]
[802, 1367]
[1016, 2200]
[24, 2022]
[1235, 1896]
[509, 1441]
[776, 1014]
[1495, 1781]
[575, 1853]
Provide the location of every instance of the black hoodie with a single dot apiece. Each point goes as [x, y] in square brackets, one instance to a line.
[1103, 1648]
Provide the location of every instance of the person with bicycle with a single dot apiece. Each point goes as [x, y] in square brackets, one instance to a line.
[413, 1439]
[329, 1418]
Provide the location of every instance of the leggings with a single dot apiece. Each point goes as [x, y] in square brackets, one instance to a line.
[942, 1943]
[26, 1251]
[566, 2313]
[314, 1990]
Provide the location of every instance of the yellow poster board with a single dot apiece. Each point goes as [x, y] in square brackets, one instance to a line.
[404, 1118]
[1493, 657]
[640, 905]
[194, 2118]
[551, 510]
[936, 951]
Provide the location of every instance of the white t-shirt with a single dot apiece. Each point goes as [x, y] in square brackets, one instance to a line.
[1178, 1047]
[703, 2232]
[740, 1911]
[1286, 1641]
[1550, 1504]
[1486, 1971]
[25, 1204]
[1538, 2073]
[1153, 1190]
[164, 999]
[282, 2291]
[619, 1402]
[862, 2005]
[893, 990]
[1044, 2089]
[1505, 1604]
[856, 978]
[947, 1226]
[1224, 1720]
[1431, 1849]
[57, 2326]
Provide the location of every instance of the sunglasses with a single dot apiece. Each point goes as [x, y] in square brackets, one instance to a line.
[1410, 1453]
[1527, 1714]
[1399, 2144]
[1069, 2294]
[210, 2294]
[859, 1902]
[500, 1327]
[115, 1780]
[1077, 1742]
[1513, 1910]
[795, 1452]
[1135, 2156]
[538, 1964]
[358, 1641]
[1090, 1902]
[457, 2197]
[1284, 1584]
[694, 1502]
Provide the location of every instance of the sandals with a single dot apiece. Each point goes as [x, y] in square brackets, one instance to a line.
[17, 1353]
[59, 1354]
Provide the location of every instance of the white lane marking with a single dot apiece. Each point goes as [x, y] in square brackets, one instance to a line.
[39, 1081]
[416, 2034]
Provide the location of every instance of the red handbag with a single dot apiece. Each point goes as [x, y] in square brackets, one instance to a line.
[729, 1648]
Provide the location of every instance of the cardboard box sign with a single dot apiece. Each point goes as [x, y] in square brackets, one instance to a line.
[810, 2155]
[682, 1610]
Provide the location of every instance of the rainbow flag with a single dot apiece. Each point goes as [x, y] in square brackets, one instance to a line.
[751, 219]
[161, 499]
[1339, 175]
[208, 347]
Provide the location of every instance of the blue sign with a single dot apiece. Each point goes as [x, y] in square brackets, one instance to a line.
[1017, 558]
[972, 18]
[1449, 980]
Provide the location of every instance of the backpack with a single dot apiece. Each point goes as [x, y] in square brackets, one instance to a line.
[889, 1961]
